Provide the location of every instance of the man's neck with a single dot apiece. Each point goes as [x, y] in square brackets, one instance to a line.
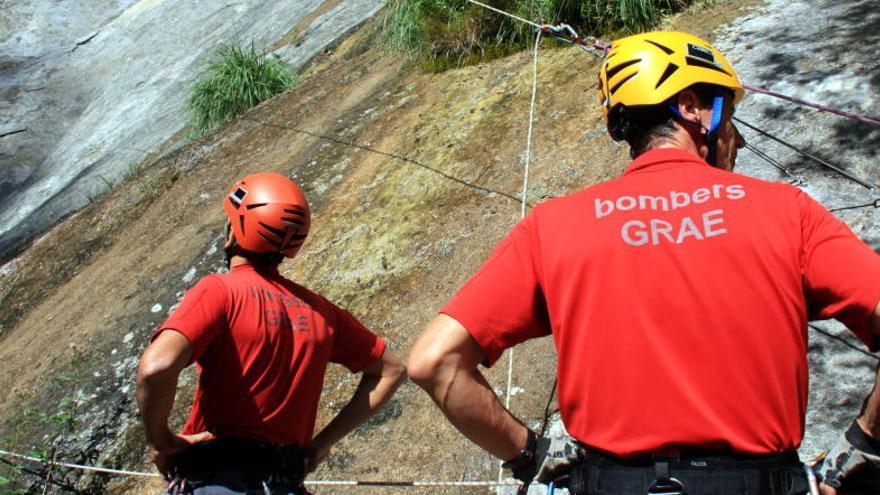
[238, 260]
[681, 140]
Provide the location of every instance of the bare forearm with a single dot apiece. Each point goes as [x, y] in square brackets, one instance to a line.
[372, 393]
[444, 362]
[155, 396]
[157, 374]
[472, 407]
[869, 420]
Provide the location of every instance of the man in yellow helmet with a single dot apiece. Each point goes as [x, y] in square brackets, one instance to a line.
[677, 296]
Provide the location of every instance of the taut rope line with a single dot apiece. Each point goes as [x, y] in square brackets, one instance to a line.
[376, 483]
[564, 31]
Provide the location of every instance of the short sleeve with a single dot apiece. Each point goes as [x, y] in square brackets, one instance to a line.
[354, 346]
[841, 272]
[503, 303]
[201, 314]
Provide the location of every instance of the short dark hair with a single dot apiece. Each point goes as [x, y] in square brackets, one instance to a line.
[642, 125]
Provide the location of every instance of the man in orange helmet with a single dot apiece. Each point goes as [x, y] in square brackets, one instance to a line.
[677, 296]
[262, 344]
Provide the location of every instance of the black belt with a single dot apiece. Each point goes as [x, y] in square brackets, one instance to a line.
[776, 474]
[242, 455]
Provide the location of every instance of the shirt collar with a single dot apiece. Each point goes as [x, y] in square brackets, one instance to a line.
[663, 156]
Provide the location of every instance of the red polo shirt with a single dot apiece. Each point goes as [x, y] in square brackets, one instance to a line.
[262, 344]
[678, 296]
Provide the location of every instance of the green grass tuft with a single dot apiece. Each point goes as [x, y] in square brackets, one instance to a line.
[441, 34]
[237, 79]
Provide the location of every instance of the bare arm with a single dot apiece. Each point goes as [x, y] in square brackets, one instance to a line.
[444, 362]
[159, 368]
[869, 419]
[378, 383]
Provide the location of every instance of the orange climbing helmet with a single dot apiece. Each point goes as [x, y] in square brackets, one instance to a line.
[650, 68]
[268, 213]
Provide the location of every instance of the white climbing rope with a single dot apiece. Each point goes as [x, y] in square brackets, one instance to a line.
[508, 14]
[376, 483]
[522, 212]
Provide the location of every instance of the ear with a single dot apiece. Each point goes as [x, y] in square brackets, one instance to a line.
[690, 106]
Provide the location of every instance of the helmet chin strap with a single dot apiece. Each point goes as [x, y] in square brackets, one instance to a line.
[712, 130]
[231, 244]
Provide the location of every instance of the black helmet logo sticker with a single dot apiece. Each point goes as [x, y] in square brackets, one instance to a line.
[237, 196]
[700, 56]
[701, 52]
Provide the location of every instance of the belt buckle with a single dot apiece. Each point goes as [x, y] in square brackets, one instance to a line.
[669, 486]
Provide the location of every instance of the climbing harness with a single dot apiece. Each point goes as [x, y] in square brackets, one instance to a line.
[663, 483]
[811, 479]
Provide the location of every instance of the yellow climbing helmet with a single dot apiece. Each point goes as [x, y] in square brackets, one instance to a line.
[650, 68]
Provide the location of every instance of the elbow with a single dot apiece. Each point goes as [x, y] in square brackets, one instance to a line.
[424, 368]
[154, 367]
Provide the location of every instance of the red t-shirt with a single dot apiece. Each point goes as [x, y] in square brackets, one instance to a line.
[677, 296]
[262, 344]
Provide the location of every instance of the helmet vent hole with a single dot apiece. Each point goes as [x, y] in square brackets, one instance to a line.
[241, 223]
[621, 83]
[293, 243]
[706, 65]
[666, 50]
[278, 232]
[270, 240]
[613, 71]
[294, 221]
[670, 69]
[256, 205]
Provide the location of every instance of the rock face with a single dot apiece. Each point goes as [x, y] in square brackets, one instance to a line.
[92, 88]
[412, 179]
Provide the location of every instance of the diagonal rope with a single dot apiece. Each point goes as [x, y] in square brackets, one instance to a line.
[796, 179]
[816, 159]
[824, 108]
[352, 144]
[875, 204]
[508, 14]
[844, 342]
